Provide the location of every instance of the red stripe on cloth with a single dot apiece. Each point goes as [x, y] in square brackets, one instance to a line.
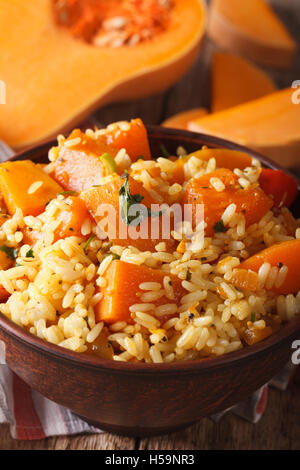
[261, 406]
[28, 425]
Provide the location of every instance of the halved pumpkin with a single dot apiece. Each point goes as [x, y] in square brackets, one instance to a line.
[54, 80]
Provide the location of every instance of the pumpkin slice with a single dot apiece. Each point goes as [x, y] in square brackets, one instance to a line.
[123, 280]
[230, 159]
[72, 216]
[106, 206]
[26, 186]
[252, 202]
[280, 255]
[269, 125]
[252, 29]
[83, 159]
[236, 81]
[181, 120]
[64, 79]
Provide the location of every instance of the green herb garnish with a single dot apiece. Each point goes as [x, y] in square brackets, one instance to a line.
[126, 200]
[109, 162]
[29, 254]
[164, 151]
[253, 316]
[114, 255]
[12, 253]
[140, 157]
[85, 246]
[67, 193]
[220, 227]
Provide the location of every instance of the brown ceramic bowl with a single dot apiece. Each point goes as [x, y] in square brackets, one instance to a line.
[146, 399]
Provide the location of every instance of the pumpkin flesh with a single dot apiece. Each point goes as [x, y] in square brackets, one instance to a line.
[66, 79]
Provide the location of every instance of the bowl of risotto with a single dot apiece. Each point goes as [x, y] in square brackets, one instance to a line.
[149, 276]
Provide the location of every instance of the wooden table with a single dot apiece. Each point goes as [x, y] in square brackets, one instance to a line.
[279, 427]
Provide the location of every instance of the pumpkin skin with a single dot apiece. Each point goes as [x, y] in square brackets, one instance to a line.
[54, 81]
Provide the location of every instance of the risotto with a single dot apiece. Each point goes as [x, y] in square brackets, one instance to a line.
[108, 251]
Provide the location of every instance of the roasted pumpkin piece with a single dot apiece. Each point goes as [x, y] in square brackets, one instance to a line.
[225, 158]
[77, 169]
[101, 347]
[131, 136]
[253, 203]
[245, 279]
[255, 335]
[71, 217]
[280, 255]
[83, 160]
[109, 206]
[123, 280]
[26, 186]
[283, 188]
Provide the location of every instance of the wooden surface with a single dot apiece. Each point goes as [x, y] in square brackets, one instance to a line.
[279, 427]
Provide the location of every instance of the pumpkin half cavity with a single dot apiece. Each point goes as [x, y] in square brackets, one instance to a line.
[113, 23]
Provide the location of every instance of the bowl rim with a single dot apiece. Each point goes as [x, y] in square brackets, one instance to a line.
[287, 332]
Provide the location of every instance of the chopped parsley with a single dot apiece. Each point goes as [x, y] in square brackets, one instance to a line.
[114, 255]
[67, 193]
[85, 246]
[29, 254]
[220, 227]
[12, 253]
[253, 316]
[127, 200]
